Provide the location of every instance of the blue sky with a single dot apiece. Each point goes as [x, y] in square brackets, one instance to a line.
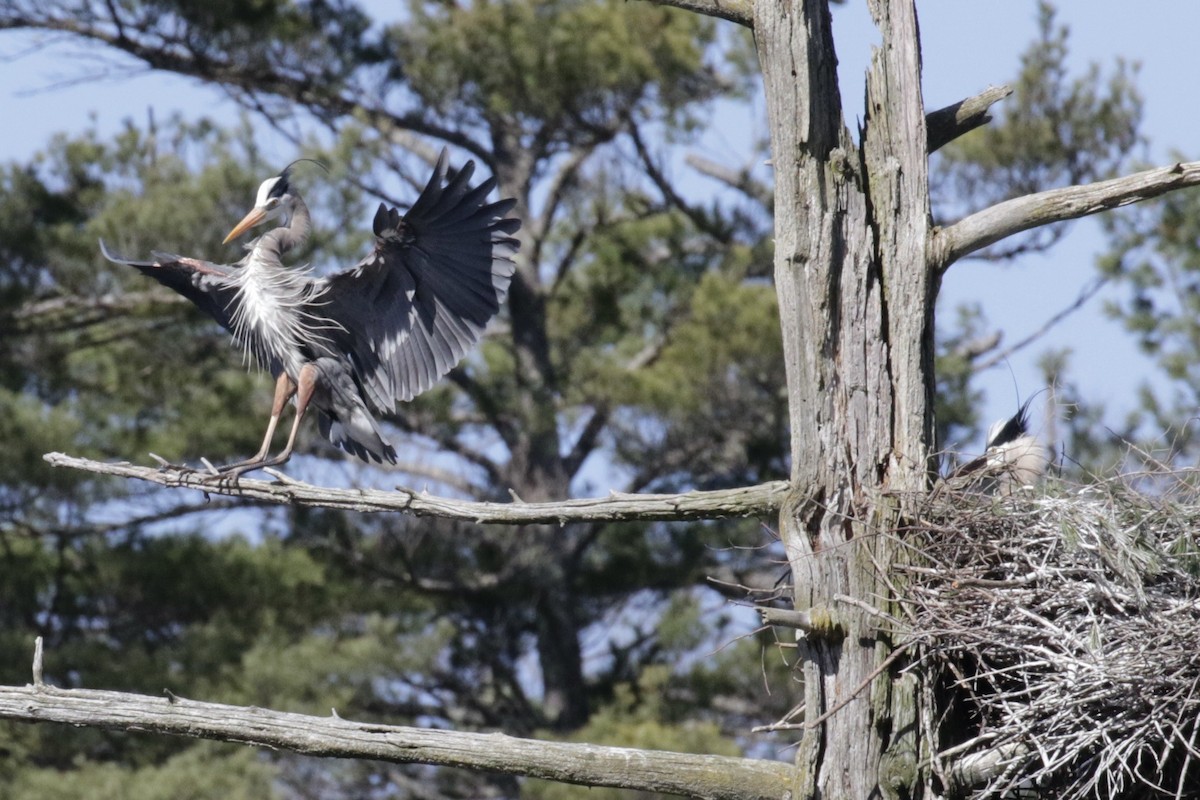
[967, 45]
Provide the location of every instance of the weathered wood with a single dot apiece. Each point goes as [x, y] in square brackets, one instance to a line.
[947, 124]
[1020, 214]
[717, 777]
[894, 148]
[975, 770]
[739, 11]
[749, 501]
[856, 303]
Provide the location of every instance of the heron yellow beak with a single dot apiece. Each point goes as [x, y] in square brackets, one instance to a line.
[255, 216]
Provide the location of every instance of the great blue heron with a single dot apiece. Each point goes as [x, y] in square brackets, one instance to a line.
[1013, 457]
[355, 343]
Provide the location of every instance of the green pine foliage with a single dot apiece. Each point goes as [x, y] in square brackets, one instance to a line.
[649, 319]
[421, 622]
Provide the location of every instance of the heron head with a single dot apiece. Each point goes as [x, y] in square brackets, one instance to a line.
[1008, 430]
[275, 200]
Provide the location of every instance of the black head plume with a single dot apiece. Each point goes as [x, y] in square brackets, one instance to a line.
[283, 185]
[1013, 428]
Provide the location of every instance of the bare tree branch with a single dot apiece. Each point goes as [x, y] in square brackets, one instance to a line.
[947, 124]
[563, 180]
[597, 423]
[976, 769]
[738, 178]
[739, 11]
[32, 531]
[1085, 294]
[587, 440]
[747, 501]
[449, 478]
[698, 216]
[449, 443]
[71, 312]
[1055, 205]
[978, 347]
[332, 737]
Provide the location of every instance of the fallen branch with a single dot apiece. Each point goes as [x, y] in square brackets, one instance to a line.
[721, 777]
[749, 501]
[1056, 205]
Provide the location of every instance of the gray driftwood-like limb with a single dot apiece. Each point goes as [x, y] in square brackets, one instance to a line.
[976, 769]
[816, 621]
[738, 178]
[947, 124]
[785, 617]
[749, 501]
[332, 737]
[1055, 205]
[739, 11]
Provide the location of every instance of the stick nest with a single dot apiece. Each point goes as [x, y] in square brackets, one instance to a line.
[1061, 632]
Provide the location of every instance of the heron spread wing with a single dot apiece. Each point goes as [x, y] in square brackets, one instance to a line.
[209, 286]
[361, 340]
[413, 308]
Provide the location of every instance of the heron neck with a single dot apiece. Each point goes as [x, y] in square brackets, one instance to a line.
[295, 232]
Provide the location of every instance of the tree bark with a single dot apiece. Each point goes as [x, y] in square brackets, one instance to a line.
[856, 304]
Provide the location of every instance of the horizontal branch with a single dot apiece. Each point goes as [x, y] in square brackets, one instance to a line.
[332, 737]
[976, 769]
[739, 11]
[749, 501]
[71, 312]
[817, 621]
[739, 178]
[1055, 205]
[947, 124]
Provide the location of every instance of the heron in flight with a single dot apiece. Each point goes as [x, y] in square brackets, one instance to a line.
[353, 344]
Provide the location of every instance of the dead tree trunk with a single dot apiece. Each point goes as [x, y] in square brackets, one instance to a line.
[856, 300]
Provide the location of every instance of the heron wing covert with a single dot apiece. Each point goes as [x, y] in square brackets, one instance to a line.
[413, 308]
[209, 286]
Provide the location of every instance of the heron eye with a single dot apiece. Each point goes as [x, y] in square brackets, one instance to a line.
[272, 202]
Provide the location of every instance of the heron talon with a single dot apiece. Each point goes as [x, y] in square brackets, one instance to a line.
[229, 474]
[218, 479]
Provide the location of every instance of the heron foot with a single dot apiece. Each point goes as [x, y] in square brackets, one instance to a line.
[224, 479]
[239, 468]
[233, 472]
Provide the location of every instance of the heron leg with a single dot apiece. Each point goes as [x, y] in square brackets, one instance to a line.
[306, 384]
[284, 389]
